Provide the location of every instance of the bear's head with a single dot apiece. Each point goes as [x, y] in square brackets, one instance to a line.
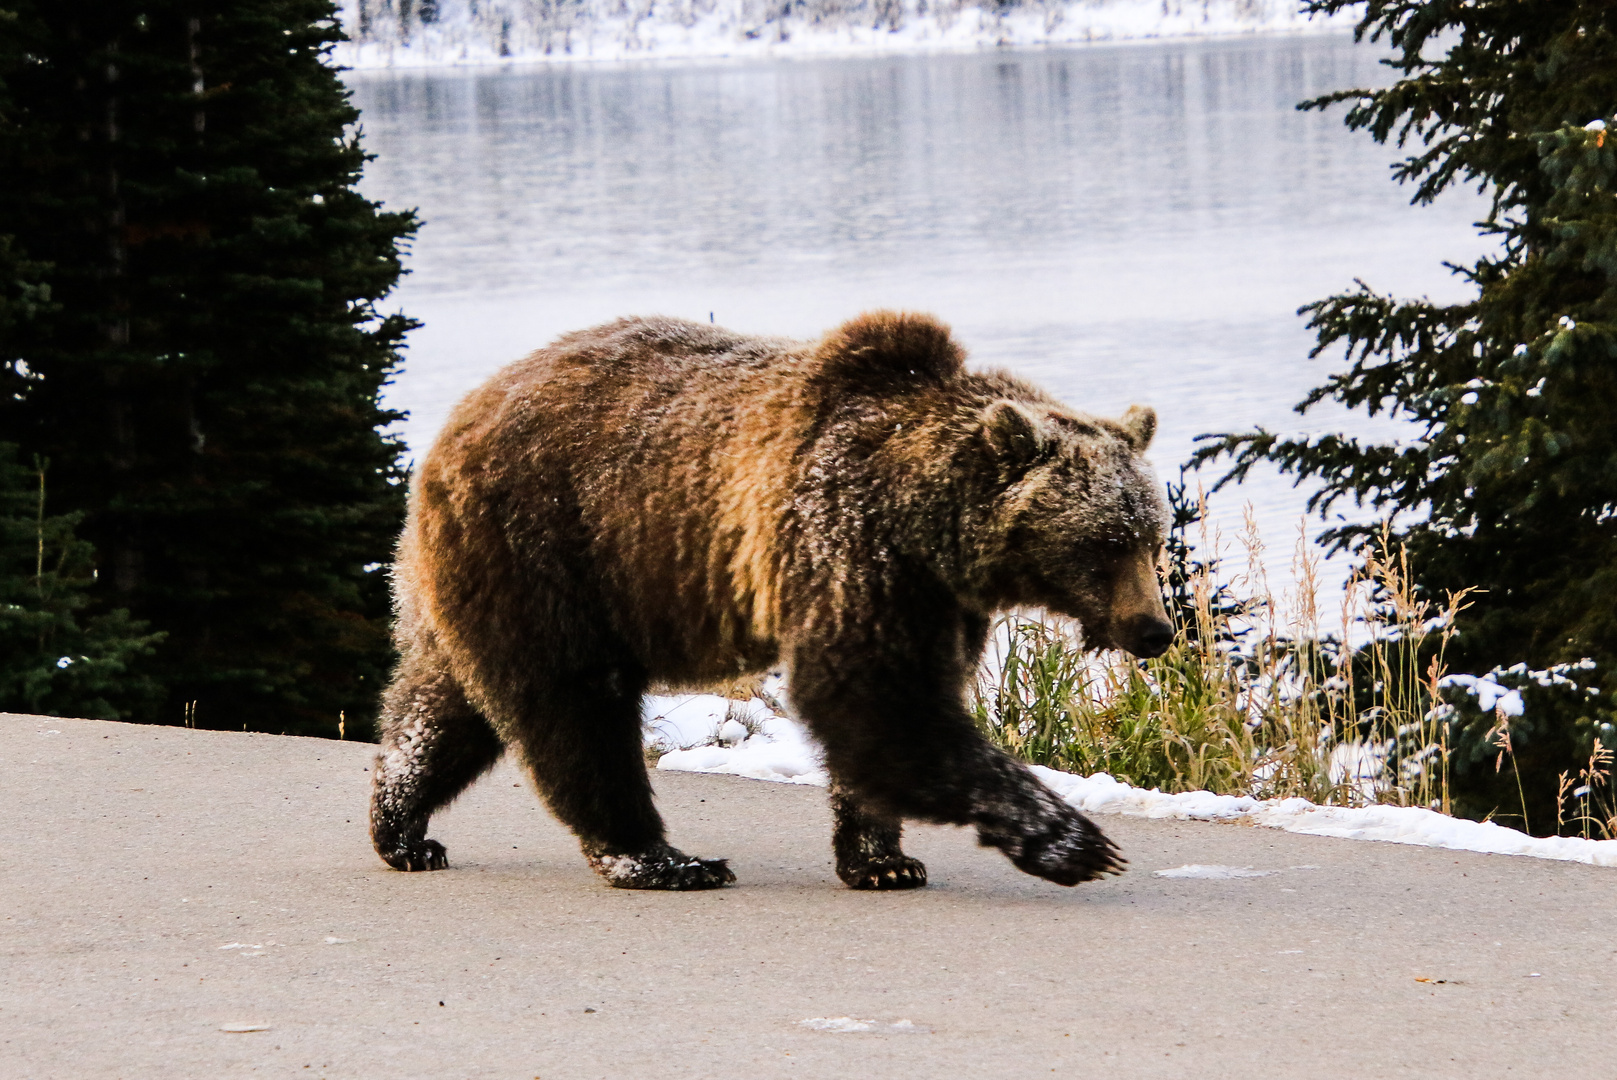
[1078, 520]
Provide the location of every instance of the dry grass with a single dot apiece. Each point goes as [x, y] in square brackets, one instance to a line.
[1593, 803]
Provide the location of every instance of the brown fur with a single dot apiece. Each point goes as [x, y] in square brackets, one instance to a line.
[662, 500]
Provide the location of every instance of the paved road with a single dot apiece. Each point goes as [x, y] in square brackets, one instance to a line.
[159, 885]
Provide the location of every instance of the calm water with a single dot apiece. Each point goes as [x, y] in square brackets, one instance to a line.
[1129, 223]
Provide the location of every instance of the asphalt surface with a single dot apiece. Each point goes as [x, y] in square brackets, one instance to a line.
[160, 886]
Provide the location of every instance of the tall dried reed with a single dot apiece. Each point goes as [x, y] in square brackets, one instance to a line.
[1594, 803]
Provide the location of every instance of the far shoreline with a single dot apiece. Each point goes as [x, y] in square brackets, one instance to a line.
[365, 66]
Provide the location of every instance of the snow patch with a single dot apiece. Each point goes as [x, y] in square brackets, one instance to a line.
[680, 721]
[738, 738]
[781, 752]
[1489, 694]
[1211, 873]
[847, 1024]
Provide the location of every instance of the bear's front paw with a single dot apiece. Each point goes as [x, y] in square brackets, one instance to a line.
[661, 868]
[418, 855]
[884, 872]
[1073, 852]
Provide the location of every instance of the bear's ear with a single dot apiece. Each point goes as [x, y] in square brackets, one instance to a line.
[1012, 433]
[1140, 422]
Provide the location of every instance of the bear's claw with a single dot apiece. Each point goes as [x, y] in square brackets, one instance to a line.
[420, 855]
[884, 872]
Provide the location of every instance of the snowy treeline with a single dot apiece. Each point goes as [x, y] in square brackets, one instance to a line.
[443, 32]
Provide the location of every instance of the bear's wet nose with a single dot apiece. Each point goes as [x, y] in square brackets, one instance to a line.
[1152, 638]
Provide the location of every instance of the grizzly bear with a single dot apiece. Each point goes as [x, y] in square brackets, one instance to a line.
[659, 500]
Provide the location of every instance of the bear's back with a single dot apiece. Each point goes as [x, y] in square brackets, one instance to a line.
[674, 471]
[644, 457]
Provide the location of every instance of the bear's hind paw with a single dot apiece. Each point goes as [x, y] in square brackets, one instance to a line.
[883, 873]
[420, 855]
[664, 868]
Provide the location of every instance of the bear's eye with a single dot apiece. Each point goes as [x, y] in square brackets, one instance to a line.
[1110, 545]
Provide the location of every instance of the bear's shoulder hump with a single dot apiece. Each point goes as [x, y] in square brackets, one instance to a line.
[889, 350]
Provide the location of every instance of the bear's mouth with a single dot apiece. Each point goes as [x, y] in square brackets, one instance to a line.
[1064, 602]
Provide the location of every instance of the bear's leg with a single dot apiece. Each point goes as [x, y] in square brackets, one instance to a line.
[866, 844]
[1031, 824]
[906, 744]
[581, 738]
[961, 780]
[434, 744]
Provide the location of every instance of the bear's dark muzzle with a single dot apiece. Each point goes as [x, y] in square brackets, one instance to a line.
[1149, 637]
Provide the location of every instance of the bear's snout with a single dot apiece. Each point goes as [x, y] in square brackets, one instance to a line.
[1138, 620]
[1148, 636]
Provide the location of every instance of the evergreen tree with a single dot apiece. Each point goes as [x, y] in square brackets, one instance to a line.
[1510, 485]
[23, 292]
[49, 662]
[208, 388]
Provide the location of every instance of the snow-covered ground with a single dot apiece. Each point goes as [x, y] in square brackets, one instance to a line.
[780, 750]
[443, 33]
[703, 733]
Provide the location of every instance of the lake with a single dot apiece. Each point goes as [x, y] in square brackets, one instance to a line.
[1127, 223]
